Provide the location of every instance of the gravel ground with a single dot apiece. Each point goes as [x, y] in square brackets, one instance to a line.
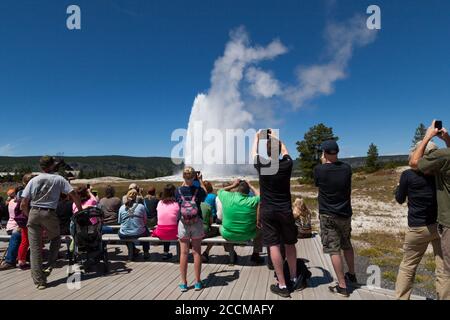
[362, 263]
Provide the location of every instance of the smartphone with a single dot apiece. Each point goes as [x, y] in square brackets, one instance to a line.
[88, 186]
[438, 124]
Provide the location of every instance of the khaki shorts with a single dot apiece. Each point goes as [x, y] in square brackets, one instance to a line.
[335, 233]
[190, 231]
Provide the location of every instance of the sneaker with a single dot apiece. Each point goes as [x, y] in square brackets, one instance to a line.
[256, 258]
[6, 266]
[41, 286]
[274, 288]
[351, 278]
[340, 291]
[198, 286]
[167, 256]
[24, 266]
[270, 266]
[205, 257]
[183, 287]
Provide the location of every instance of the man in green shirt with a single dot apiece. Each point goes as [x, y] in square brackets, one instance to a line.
[239, 216]
[438, 164]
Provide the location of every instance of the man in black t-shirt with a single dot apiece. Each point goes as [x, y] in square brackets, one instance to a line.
[276, 218]
[334, 180]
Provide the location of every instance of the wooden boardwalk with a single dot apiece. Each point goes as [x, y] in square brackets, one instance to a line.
[157, 279]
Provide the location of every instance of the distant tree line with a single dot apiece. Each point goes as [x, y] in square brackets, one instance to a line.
[310, 152]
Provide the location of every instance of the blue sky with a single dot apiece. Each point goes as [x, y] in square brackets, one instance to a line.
[124, 82]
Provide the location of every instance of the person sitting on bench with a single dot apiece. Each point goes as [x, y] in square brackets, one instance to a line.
[167, 223]
[239, 223]
[133, 224]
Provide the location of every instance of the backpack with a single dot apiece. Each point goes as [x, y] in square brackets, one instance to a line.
[303, 274]
[19, 216]
[189, 209]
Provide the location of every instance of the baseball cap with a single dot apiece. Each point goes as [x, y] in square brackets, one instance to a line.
[330, 147]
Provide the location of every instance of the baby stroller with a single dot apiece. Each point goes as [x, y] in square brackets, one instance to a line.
[87, 247]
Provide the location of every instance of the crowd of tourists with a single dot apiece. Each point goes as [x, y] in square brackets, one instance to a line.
[43, 205]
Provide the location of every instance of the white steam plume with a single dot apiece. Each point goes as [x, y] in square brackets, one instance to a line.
[317, 80]
[223, 106]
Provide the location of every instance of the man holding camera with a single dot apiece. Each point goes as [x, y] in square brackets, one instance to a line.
[438, 164]
[40, 199]
[277, 221]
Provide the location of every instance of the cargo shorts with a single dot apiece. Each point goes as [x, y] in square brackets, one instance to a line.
[335, 232]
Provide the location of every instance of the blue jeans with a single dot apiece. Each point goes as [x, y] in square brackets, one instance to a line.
[107, 230]
[13, 247]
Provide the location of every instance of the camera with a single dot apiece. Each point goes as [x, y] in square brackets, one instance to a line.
[438, 124]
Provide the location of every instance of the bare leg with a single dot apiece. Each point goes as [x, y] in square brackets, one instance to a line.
[336, 259]
[196, 251]
[350, 259]
[291, 256]
[277, 261]
[184, 251]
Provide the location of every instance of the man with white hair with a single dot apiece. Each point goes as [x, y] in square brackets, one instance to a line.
[438, 164]
[420, 190]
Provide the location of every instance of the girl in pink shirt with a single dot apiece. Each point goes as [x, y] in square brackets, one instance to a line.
[87, 200]
[167, 210]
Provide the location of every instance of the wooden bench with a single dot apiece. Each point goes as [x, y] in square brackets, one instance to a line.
[111, 238]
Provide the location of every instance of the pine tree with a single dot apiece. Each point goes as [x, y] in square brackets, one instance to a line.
[372, 164]
[419, 134]
[308, 149]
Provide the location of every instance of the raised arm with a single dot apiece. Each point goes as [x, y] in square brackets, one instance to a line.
[255, 144]
[418, 154]
[254, 190]
[284, 150]
[232, 186]
[445, 137]
[202, 184]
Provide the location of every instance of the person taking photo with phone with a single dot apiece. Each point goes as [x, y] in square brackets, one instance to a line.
[437, 163]
[276, 218]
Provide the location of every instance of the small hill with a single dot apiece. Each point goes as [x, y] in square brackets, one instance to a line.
[359, 162]
[99, 166]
